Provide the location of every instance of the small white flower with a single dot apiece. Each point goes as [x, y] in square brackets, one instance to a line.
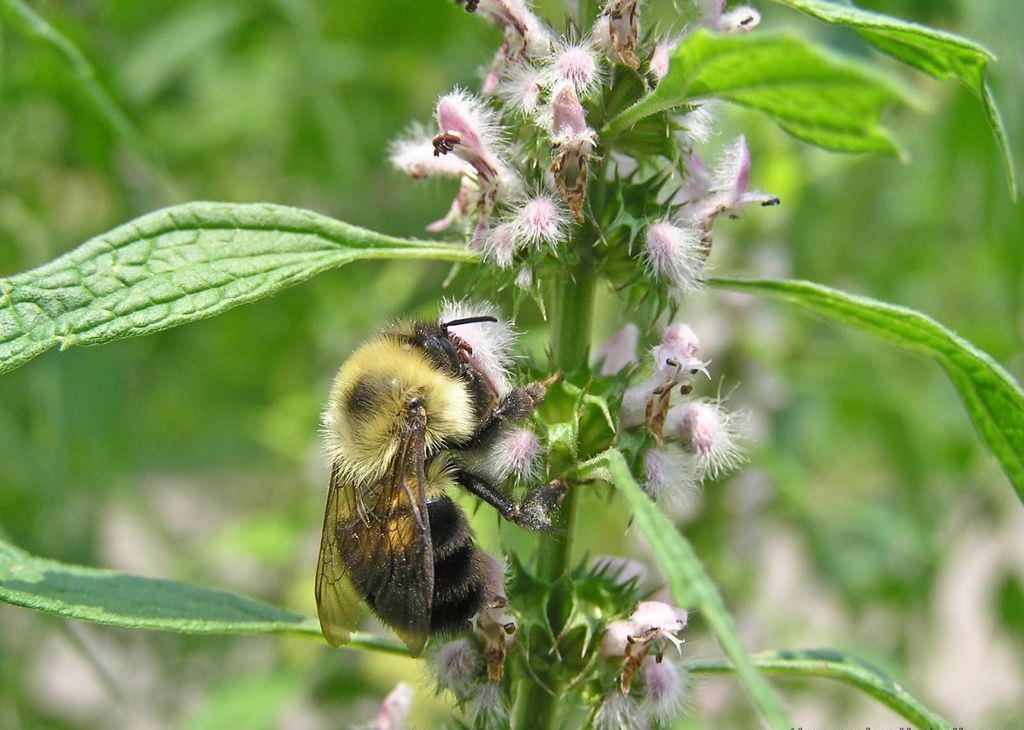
[709, 432]
[620, 712]
[665, 689]
[500, 245]
[676, 355]
[675, 254]
[394, 711]
[725, 188]
[455, 666]
[540, 221]
[658, 620]
[671, 474]
[739, 20]
[520, 88]
[634, 402]
[413, 154]
[486, 708]
[619, 350]
[576, 64]
[489, 343]
[524, 279]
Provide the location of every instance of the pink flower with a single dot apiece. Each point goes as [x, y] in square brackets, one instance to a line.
[675, 254]
[470, 131]
[725, 187]
[652, 621]
[500, 245]
[677, 354]
[742, 19]
[662, 57]
[394, 711]
[517, 455]
[619, 350]
[540, 221]
[709, 432]
[575, 64]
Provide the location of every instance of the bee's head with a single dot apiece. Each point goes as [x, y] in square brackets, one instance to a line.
[443, 345]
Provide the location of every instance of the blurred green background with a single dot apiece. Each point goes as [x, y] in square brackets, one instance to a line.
[870, 518]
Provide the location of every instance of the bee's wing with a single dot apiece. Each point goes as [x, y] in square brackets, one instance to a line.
[376, 547]
[338, 604]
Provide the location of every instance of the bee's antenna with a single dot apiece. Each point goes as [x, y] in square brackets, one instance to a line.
[468, 320]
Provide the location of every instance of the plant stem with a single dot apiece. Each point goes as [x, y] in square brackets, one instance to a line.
[572, 319]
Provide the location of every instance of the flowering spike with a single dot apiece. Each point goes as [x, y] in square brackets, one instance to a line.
[619, 351]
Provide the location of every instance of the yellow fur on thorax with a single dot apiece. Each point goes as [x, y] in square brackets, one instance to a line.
[365, 454]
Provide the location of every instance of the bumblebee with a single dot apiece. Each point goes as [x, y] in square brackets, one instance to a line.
[402, 410]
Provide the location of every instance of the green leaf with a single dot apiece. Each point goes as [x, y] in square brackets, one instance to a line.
[134, 602]
[939, 54]
[690, 585]
[179, 265]
[815, 96]
[832, 664]
[994, 400]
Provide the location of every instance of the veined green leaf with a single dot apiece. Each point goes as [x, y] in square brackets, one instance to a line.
[832, 664]
[178, 265]
[134, 602]
[993, 398]
[938, 53]
[815, 96]
[690, 585]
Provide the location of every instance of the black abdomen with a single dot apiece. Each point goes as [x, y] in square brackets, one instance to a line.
[458, 575]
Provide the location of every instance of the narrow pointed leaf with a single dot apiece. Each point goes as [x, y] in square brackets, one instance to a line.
[994, 400]
[689, 583]
[178, 265]
[133, 602]
[939, 54]
[816, 96]
[832, 664]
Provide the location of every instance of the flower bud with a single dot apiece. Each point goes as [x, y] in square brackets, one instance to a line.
[670, 474]
[487, 709]
[524, 279]
[540, 221]
[520, 88]
[661, 59]
[675, 255]
[619, 350]
[575, 64]
[709, 432]
[455, 666]
[500, 245]
[619, 711]
[517, 455]
[664, 688]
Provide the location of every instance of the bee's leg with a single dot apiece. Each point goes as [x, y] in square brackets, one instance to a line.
[516, 405]
[533, 512]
